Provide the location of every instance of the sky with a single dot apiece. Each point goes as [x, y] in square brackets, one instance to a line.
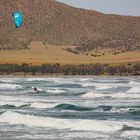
[121, 7]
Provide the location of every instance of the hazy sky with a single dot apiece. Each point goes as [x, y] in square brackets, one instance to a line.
[123, 7]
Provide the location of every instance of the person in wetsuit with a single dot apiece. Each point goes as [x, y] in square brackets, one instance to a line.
[36, 90]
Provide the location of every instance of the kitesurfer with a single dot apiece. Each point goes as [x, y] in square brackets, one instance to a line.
[36, 90]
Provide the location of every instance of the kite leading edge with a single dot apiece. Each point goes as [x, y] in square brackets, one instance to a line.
[18, 17]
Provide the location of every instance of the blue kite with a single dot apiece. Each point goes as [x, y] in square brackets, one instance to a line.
[18, 17]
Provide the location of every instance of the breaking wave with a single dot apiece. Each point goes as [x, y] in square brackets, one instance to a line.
[36, 79]
[72, 107]
[72, 124]
[55, 91]
[135, 87]
[6, 81]
[43, 105]
[134, 90]
[115, 95]
[10, 86]
[101, 86]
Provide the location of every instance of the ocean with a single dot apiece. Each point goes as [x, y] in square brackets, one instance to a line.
[97, 108]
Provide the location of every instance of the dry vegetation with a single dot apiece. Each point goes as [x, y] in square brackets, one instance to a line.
[42, 53]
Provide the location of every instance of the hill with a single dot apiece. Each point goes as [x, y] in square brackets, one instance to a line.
[56, 23]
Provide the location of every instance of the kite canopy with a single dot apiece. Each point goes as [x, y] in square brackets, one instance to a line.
[18, 17]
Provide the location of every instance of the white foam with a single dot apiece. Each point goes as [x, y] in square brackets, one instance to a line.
[88, 84]
[130, 133]
[63, 81]
[35, 79]
[43, 105]
[115, 95]
[84, 79]
[135, 87]
[55, 91]
[86, 134]
[123, 110]
[133, 83]
[92, 95]
[17, 101]
[134, 90]
[10, 86]
[73, 124]
[101, 86]
[6, 81]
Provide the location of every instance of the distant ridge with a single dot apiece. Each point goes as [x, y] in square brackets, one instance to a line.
[57, 23]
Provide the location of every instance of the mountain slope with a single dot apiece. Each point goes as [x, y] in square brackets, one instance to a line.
[57, 23]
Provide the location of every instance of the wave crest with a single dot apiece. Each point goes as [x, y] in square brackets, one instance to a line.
[72, 124]
[72, 107]
[115, 95]
[10, 86]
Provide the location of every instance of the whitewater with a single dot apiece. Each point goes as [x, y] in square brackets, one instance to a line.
[99, 108]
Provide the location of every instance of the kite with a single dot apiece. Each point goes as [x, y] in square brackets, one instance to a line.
[18, 17]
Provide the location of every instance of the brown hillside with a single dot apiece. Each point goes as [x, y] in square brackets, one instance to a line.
[57, 23]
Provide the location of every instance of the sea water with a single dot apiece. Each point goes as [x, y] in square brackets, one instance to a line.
[99, 108]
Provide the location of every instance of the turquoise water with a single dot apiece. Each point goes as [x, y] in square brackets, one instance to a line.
[99, 108]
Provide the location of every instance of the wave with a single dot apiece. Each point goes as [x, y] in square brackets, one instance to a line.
[103, 108]
[43, 105]
[100, 108]
[55, 91]
[135, 87]
[88, 84]
[101, 86]
[72, 107]
[60, 106]
[35, 79]
[133, 83]
[126, 128]
[72, 124]
[129, 133]
[115, 95]
[63, 81]
[6, 81]
[12, 104]
[115, 109]
[134, 90]
[7, 106]
[85, 79]
[94, 95]
[10, 86]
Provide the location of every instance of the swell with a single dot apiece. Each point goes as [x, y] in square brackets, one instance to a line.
[92, 95]
[80, 108]
[72, 107]
[7, 106]
[135, 110]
